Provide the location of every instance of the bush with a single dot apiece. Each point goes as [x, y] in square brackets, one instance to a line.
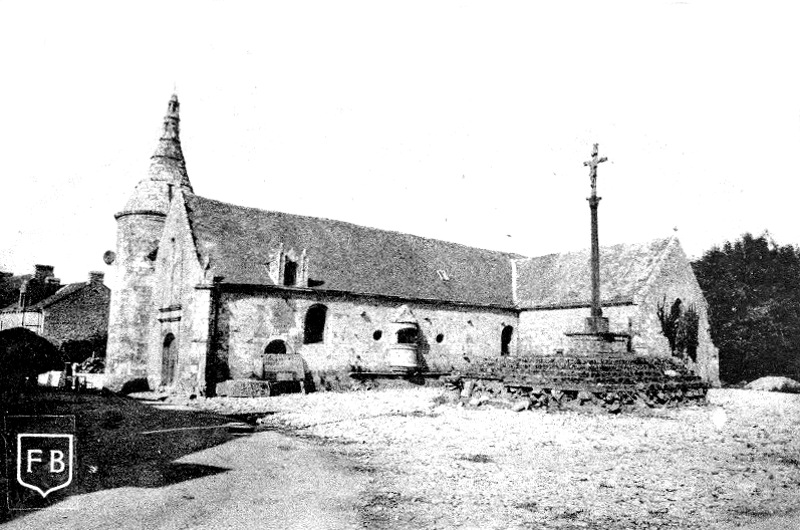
[24, 353]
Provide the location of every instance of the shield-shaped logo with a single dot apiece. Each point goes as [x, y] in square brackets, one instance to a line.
[44, 461]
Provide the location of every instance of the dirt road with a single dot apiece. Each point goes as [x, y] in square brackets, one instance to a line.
[266, 480]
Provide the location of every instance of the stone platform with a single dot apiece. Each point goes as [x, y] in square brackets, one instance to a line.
[616, 381]
[244, 388]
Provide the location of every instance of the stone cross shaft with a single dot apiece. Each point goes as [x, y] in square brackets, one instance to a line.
[595, 323]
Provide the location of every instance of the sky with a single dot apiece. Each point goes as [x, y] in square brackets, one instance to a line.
[457, 120]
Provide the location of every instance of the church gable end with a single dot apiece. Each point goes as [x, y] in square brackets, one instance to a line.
[672, 280]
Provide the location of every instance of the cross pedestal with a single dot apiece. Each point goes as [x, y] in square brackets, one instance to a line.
[596, 325]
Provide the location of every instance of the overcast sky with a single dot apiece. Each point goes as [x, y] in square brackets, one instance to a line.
[465, 121]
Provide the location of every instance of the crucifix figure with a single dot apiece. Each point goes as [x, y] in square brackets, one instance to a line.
[593, 168]
[595, 323]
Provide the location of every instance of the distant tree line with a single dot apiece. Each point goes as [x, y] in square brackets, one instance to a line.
[753, 291]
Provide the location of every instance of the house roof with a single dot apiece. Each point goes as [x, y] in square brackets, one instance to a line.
[61, 294]
[67, 290]
[564, 280]
[347, 257]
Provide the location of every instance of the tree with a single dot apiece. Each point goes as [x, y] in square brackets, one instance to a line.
[753, 290]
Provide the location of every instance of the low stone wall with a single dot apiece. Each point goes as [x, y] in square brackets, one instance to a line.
[616, 382]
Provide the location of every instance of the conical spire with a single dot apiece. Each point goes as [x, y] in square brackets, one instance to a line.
[167, 163]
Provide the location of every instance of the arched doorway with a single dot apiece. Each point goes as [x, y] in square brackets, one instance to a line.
[169, 359]
[276, 346]
[505, 340]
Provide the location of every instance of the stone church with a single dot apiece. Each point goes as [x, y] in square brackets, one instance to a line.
[206, 288]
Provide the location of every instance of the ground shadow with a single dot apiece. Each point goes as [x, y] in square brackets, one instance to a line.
[122, 442]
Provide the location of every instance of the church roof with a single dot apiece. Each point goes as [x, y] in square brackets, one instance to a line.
[564, 280]
[346, 257]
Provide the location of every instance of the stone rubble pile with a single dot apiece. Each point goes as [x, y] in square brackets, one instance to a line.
[613, 382]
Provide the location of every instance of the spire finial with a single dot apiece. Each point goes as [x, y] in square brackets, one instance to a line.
[167, 162]
[171, 130]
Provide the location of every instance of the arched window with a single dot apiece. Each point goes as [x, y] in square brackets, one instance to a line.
[315, 324]
[505, 340]
[169, 360]
[275, 346]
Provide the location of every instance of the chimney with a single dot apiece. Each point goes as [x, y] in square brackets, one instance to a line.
[42, 271]
[96, 278]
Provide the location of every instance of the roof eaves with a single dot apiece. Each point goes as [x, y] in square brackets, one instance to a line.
[336, 292]
[579, 305]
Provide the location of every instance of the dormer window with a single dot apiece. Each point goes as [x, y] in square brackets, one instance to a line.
[287, 267]
[443, 275]
[290, 272]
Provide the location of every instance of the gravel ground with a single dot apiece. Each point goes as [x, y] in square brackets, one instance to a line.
[435, 464]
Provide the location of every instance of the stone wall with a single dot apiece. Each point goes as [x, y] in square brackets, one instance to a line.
[542, 332]
[131, 316]
[181, 308]
[675, 279]
[357, 331]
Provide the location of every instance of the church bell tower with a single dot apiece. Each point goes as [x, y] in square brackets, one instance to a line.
[139, 228]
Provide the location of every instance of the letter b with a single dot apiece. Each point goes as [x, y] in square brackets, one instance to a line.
[56, 457]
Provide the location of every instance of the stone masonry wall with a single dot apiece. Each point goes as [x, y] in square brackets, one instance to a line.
[675, 279]
[180, 307]
[248, 322]
[131, 316]
[542, 332]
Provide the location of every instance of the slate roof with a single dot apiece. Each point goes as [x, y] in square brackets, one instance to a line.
[564, 280]
[347, 257]
[67, 290]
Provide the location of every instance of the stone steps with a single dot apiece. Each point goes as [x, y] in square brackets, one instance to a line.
[617, 379]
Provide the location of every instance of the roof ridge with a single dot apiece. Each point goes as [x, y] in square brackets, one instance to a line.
[587, 249]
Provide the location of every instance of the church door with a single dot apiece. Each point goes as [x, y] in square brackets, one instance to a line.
[169, 360]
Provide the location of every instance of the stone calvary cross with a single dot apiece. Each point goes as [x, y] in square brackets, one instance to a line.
[595, 323]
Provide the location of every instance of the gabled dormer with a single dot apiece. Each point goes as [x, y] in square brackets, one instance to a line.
[288, 267]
